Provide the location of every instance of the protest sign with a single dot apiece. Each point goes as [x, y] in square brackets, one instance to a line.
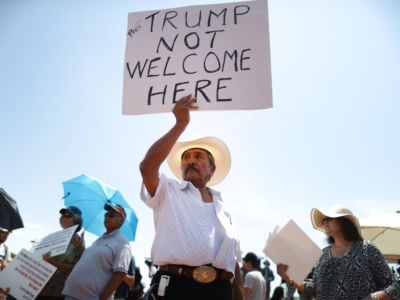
[26, 275]
[56, 243]
[218, 53]
[291, 246]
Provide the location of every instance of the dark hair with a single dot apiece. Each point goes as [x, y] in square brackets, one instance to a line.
[278, 293]
[253, 259]
[349, 230]
[78, 221]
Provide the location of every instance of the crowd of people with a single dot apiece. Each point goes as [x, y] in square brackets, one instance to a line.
[195, 252]
[105, 270]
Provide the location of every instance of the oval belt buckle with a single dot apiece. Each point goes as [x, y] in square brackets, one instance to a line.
[204, 274]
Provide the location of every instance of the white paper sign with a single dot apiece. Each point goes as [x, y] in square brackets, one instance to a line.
[218, 53]
[56, 242]
[26, 275]
[291, 246]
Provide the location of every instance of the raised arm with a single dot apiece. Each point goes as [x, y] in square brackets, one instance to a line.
[158, 152]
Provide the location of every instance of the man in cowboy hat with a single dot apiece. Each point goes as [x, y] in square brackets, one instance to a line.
[195, 246]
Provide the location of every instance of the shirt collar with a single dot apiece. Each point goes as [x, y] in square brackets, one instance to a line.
[187, 184]
[106, 235]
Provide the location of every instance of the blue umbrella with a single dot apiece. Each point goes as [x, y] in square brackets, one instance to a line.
[90, 195]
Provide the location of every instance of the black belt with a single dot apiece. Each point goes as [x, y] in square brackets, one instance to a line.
[204, 274]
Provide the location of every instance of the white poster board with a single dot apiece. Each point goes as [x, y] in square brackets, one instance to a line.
[218, 53]
[26, 275]
[56, 243]
[291, 246]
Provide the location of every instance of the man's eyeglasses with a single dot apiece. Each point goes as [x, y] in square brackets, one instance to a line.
[67, 216]
[111, 214]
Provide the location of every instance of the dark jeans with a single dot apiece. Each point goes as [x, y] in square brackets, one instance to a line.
[183, 288]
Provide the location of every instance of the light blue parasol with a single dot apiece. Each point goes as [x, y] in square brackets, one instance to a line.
[90, 195]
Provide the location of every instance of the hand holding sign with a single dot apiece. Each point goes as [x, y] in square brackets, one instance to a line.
[26, 275]
[209, 51]
[290, 246]
[182, 107]
[55, 243]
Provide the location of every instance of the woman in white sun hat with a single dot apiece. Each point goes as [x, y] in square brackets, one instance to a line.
[195, 246]
[349, 268]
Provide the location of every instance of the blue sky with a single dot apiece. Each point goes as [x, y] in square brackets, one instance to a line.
[332, 136]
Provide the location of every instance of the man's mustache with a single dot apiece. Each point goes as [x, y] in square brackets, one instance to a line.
[191, 167]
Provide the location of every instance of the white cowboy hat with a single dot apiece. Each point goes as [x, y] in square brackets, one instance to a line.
[215, 146]
[317, 216]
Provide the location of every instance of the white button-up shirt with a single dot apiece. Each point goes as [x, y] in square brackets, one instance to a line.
[183, 232]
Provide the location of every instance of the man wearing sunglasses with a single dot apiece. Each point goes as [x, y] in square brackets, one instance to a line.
[104, 264]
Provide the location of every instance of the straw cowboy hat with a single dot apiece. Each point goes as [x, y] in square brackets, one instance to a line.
[215, 146]
[317, 216]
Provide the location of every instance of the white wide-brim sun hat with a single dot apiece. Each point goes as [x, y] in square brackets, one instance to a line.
[318, 215]
[215, 146]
